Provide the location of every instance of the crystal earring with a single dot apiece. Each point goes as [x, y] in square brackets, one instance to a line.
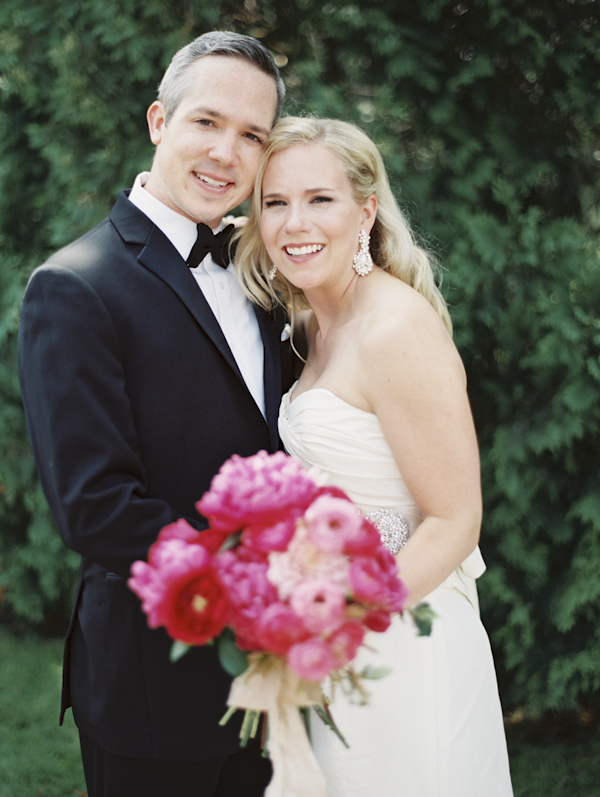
[363, 262]
[273, 273]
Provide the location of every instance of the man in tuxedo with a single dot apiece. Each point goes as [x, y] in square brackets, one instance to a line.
[143, 368]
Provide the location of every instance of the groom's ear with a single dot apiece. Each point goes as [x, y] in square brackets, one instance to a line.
[156, 117]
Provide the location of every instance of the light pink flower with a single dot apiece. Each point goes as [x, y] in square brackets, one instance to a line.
[346, 640]
[331, 522]
[251, 490]
[312, 660]
[320, 604]
[279, 627]
[303, 561]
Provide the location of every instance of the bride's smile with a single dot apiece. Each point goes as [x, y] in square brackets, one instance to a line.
[310, 218]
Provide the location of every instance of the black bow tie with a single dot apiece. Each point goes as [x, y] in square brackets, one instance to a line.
[217, 245]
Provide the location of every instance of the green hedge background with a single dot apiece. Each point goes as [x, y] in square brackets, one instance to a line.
[488, 117]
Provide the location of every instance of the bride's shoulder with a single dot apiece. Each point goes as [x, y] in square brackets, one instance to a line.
[396, 312]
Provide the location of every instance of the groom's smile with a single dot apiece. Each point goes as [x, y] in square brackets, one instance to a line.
[207, 152]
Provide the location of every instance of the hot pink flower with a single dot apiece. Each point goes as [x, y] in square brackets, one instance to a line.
[279, 627]
[312, 660]
[252, 489]
[264, 539]
[366, 542]
[147, 585]
[250, 592]
[346, 640]
[374, 580]
[180, 530]
[320, 604]
[331, 522]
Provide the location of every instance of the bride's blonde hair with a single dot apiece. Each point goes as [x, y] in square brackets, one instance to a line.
[393, 247]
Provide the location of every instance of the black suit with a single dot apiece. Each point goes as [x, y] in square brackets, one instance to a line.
[134, 401]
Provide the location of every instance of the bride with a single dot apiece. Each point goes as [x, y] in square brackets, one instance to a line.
[381, 408]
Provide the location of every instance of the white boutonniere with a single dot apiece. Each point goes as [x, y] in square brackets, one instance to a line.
[286, 332]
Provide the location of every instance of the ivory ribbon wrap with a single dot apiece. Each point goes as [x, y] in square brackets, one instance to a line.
[269, 685]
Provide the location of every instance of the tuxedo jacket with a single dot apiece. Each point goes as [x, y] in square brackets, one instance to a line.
[133, 401]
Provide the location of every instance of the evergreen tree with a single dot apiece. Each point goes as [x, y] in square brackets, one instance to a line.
[487, 116]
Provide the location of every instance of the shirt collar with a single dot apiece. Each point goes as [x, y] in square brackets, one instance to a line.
[180, 230]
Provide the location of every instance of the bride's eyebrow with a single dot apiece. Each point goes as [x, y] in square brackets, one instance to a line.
[277, 194]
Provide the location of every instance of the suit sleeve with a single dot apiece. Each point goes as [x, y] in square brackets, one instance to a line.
[81, 423]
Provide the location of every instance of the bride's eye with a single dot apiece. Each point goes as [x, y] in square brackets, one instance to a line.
[271, 203]
[319, 199]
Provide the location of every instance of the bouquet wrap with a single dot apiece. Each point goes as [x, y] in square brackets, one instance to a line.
[268, 685]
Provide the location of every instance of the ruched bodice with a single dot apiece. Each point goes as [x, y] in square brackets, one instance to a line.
[348, 446]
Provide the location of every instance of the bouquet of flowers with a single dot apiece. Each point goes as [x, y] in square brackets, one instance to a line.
[288, 578]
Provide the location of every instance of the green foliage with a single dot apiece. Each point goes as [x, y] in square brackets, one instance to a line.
[37, 757]
[487, 116]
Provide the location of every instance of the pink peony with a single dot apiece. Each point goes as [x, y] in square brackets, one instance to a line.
[374, 580]
[279, 627]
[332, 522]
[251, 490]
[312, 660]
[250, 592]
[181, 590]
[303, 561]
[366, 542]
[346, 640]
[147, 585]
[181, 530]
[320, 603]
[263, 539]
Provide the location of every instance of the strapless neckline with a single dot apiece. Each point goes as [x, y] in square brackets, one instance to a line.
[289, 399]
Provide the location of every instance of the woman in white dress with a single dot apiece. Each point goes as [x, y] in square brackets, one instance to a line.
[381, 408]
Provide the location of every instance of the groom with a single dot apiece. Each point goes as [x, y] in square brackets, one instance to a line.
[143, 368]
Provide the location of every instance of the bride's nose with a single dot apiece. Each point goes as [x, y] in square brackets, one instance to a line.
[296, 220]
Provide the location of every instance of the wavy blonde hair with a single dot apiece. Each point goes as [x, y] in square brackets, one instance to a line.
[393, 246]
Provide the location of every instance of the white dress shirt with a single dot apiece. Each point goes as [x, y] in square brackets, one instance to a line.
[220, 287]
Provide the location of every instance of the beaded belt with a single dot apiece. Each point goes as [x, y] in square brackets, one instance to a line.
[392, 527]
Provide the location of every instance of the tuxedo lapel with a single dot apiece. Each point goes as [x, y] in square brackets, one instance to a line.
[160, 257]
[270, 332]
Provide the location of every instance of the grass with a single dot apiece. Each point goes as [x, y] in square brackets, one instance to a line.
[554, 757]
[37, 757]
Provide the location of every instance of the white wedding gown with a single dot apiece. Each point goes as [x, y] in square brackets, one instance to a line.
[433, 726]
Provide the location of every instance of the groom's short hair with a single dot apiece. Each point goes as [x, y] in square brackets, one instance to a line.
[173, 86]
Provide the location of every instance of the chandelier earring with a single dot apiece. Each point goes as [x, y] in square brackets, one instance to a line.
[363, 262]
[272, 273]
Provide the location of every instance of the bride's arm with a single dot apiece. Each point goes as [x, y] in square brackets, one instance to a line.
[415, 383]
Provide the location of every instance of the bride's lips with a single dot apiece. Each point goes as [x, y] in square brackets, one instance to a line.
[302, 250]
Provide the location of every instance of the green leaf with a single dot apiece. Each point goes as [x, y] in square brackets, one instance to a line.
[375, 673]
[233, 660]
[423, 616]
[178, 649]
